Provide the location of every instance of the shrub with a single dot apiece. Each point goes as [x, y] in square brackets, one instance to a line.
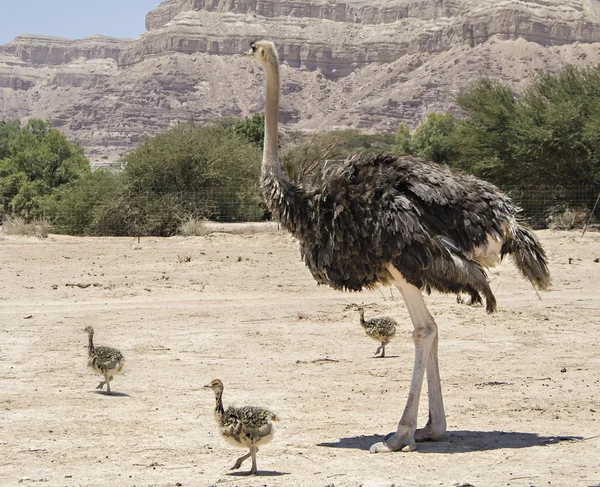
[192, 227]
[16, 225]
[568, 218]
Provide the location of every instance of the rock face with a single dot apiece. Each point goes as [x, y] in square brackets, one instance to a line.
[354, 63]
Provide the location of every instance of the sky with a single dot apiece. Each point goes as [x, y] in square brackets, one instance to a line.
[74, 19]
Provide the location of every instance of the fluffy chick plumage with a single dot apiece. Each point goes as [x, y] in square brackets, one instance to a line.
[106, 361]
[381, 330]
[244, 427]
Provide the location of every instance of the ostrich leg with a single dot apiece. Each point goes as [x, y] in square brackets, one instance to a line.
[426, 359]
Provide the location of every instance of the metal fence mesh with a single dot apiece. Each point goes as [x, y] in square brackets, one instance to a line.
[565, 207]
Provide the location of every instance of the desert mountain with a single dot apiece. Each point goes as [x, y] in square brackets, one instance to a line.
[346, 63]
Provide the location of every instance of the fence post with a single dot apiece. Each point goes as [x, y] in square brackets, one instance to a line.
[591, 215]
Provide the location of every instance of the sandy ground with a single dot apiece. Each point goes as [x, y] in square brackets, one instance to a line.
[522, 389]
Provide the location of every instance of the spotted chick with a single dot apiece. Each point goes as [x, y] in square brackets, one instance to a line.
[106, 361]
[381, 330]
[244, 427]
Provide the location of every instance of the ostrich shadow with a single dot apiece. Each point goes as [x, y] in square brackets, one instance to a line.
[112, 394]
[260, 473]
[462, 441]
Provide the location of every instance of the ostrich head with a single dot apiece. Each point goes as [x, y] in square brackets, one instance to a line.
[264, 52]
[216, 385]
[89, 330]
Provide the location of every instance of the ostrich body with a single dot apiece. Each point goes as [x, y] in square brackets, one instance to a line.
[244, 427]
[106, 361]
[387, 219]
[381, 330]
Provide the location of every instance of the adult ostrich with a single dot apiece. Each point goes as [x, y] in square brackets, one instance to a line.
[387, 219]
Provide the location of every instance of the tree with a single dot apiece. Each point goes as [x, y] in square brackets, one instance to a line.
[203, 172]
[435, 138]
[252, 129]
[484, 137]
[35, 159]
[547, 137]
[402, 140]
[82, 208]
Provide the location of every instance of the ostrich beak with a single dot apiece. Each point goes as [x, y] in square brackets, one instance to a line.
[248, 53]
[207, 386]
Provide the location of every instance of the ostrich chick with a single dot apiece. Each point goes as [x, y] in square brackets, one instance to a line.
[379, 329]
[244, 427]
[106, 361]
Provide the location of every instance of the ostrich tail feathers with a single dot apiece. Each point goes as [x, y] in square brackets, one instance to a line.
[528, 255]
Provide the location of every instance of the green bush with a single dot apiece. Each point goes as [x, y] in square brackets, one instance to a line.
[547, 137]
[435, 138]
[35, 160]
[76, 209]
[402, 140]
[252, 129]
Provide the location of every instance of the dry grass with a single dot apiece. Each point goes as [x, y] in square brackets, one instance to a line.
[18, 226]
[193, 227]
[569, 218]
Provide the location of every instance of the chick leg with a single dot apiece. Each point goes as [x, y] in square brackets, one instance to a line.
[253, 451]
[239, 461]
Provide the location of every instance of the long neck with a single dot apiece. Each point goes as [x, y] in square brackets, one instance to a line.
[270, 153]
[362, 317]
[91, 341]
[285, 199]
[219, 406]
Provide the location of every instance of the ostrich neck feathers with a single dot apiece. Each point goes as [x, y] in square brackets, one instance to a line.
[219, 405]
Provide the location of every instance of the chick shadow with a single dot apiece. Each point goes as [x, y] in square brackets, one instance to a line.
[260, 473]
[462, 441]
[112, 394]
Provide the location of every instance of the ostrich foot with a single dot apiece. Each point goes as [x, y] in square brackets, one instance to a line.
[402, 440]
[239, 461]
[430, 433]
[381, 349]
[101, 385]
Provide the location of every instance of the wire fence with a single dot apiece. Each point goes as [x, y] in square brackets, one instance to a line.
[559, 207]
[164, 213]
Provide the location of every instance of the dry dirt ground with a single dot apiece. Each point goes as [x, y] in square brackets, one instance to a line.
[521, 387]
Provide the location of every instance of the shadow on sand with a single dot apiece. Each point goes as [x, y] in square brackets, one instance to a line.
[112, 394]
[260, 473]
[462, 441]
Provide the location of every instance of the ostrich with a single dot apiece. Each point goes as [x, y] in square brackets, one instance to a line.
[386, 219]
[106, 361]
[381, 330]
[245, 427]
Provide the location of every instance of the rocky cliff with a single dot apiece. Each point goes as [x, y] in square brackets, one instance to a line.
[352, 63]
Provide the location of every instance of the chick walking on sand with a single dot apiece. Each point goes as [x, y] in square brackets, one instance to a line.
[381, 330]
[244, 427]
[106, 361]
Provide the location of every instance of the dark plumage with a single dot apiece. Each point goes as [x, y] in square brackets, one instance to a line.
[373, 210]
[245, 427]
[106, 361]
[381, 330]
[388, 219]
